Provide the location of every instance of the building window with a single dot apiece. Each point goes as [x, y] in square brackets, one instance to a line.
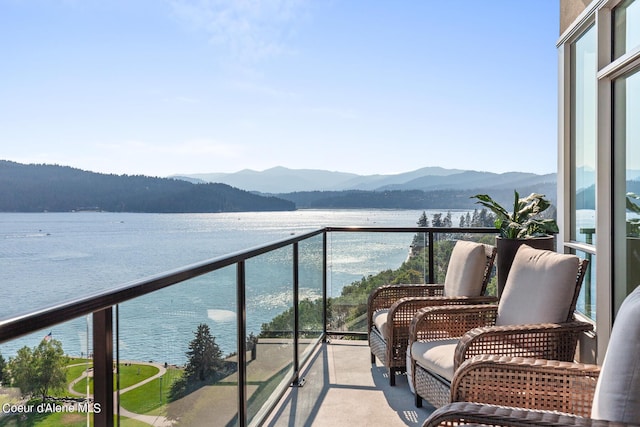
[626, 28]
[600, 133]
[586, 303]
[583, 159]
[583, 140]
[626, 211]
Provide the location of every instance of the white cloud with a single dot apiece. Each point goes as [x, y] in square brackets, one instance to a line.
[250, 30]
[194, 147]
[156, 159]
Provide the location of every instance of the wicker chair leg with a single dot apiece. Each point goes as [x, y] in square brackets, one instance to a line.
[418, 401]
[392, 377]
[373, 358]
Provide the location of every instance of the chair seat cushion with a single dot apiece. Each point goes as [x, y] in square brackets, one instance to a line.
[380, 322]
[436, 356]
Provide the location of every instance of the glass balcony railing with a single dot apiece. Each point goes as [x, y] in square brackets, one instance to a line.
[225, 338]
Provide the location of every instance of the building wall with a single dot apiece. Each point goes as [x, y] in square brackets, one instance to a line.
[569, 11]
[599, 155]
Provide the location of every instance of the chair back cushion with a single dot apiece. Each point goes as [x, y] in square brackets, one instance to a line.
[466, 270]
[539, 288]
[617, 395]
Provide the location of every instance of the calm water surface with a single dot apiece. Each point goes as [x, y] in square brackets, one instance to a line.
[48, 258]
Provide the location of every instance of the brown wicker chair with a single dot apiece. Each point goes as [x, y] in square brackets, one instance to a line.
[391, 308]
[552, 393]
[533, 319]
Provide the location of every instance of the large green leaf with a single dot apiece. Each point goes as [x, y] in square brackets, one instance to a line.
[524, 220]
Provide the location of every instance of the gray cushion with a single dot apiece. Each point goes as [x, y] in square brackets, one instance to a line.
[617, 396]
[410, 370]
[466, 270]
[380, 322]
[435, 356]
[539, 288]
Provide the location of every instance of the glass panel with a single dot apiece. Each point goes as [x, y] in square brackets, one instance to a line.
[586, 303]
[359, 263]
[183, 341]
[583, 142]
[269, 294]
[66, 348]
[310, 294]
[627, 185]
[626, 27]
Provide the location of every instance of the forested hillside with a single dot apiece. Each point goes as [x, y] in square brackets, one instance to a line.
[38, 188]
[347, 312]
[410, 199]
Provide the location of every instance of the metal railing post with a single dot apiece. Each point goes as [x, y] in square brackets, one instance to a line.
[103, 367]
[117, 395]
[432, 277]
[242, 336]
[296, 317]
[324, 285]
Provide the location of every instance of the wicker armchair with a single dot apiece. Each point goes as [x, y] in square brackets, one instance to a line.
[552, 393]
[533, 319]
[391, 308]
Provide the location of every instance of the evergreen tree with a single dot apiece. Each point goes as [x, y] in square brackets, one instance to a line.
[423, 221]
[474, 218]
[437, 220]
[419, 238]
[204, 355]
[482, 218]
[447, 221]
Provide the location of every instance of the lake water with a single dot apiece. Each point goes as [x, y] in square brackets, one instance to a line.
[48, 258]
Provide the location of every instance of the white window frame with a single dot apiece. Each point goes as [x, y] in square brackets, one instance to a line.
[599, 12]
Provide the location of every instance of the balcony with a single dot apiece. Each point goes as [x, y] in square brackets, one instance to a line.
[307, 364]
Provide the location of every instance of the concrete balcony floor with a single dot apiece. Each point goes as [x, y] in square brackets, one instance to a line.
[343, 388]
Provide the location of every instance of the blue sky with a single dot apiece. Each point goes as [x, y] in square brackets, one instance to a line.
[162, 87]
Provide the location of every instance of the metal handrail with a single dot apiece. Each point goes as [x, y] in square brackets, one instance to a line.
[23, 324]
[101, 305]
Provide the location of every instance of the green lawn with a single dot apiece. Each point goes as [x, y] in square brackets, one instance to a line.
[59, 419]
[150, 398]
[139, 400]
[129, 375]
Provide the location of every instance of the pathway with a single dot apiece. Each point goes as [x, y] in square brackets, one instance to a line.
[154, 420]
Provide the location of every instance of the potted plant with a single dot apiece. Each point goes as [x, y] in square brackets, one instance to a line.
[522, 225]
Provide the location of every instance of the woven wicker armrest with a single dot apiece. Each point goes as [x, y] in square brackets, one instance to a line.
[464, 413]
[555, 341]
[402, 312]
[450, 321]
[384, 296]
[526, 383]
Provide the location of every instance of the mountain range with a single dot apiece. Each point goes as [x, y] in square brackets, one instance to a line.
[37, 188]
[280, 180]
[54, 188]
